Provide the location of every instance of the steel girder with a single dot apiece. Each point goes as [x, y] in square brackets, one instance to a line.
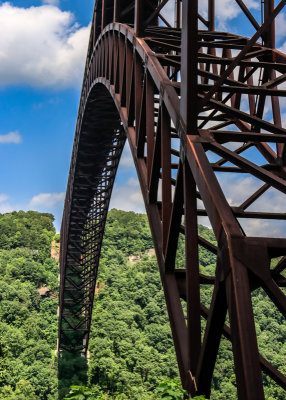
[195, 106]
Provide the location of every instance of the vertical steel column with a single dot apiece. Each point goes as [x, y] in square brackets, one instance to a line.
[103, 14]
[192, 272]
[94, 30]
[243, 334]
[166, 173]
[211, 15]
[189, 66]
[269, 34]
[178, 13]
[189, 113]
[139, 17]
[116, 11]
[149, 124]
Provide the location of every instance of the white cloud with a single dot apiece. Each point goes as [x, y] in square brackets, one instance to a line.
[132, 182]
[168, 11]
[47, 200]
[282, 48]
[225, 10]
[5, 207]
[44, 202]
[280, 30]
[11, 137]
[51, 2]
[126, 160]
[238, 189]
[263, 228]
[41, 46]
[271, 201]
[128, 197]
[3, 197]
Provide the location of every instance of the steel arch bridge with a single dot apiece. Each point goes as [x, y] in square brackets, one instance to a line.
[196, 105]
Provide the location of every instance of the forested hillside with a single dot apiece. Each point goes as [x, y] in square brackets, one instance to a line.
[131, 345]
[131, 348]
[28, 321]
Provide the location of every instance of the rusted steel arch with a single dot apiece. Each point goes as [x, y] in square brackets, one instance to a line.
[181, 140]
[97, 150]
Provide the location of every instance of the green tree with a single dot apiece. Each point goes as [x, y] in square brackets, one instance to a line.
[84, 393]
[170, 389]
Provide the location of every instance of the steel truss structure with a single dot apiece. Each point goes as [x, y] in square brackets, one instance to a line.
[196, 105]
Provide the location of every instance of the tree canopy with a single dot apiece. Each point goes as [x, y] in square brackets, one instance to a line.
[131, 347]
[28, 322]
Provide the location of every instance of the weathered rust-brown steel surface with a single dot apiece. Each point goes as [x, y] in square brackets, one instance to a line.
[196, 106]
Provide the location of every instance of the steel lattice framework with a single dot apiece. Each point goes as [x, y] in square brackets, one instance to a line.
[195, 105]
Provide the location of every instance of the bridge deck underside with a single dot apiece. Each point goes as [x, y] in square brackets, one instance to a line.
[98, 150]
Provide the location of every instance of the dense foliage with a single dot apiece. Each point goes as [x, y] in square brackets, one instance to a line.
[30, 230]
[170, 389]
[28, 322]
[131, 347]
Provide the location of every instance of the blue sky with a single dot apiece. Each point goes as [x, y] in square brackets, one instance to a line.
[42, 55]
